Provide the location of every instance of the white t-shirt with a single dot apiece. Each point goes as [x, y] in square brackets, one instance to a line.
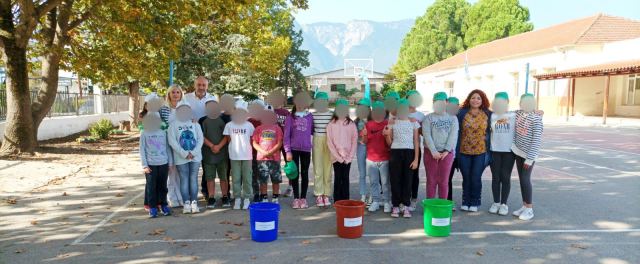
[502, 131]
[403, 134]
[197, 104]
[240, 140]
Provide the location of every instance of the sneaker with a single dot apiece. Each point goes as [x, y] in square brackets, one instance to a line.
[226, 202]
[320, 201]
[374, 207]
[211, 203]
[186, 209]
[303, 203]
[153, 212]
[146, 208]
[395, 212]
[237, 204]
[494, 208]
[194, 207]
[464, 208]
[327, 202]
[473, 208]
[412, 206]
[504, 209]
[288, 192]
[519, 211]
[296, 204]
[363, 198]
[165, 210]
[274, 198]
[406, 213]
[246, 204]
[369, 200]
[264, 198]
[527, 214]
[387, 208]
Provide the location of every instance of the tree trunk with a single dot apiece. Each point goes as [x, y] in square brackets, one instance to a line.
[134, 102]
[19, 131]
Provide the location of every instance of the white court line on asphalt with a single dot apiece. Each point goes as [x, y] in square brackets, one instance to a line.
[105, 220]
[591, 146]
[399, 235]
[591, 165]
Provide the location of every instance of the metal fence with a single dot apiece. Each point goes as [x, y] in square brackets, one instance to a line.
[74, 104]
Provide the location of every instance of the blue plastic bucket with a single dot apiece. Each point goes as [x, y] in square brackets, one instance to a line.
[264, 221]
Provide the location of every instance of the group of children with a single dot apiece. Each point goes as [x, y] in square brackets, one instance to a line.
[384, 138]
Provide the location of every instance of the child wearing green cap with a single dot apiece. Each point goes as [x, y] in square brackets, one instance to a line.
[404, 140]
[363, 113]
[342, 140]
[378, 158]
[320, 155]
[502, 134]
[440, 131]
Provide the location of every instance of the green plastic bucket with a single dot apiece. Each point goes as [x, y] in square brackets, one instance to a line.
[437, 217]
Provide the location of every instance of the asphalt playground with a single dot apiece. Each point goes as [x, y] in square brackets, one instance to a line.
[587, 210]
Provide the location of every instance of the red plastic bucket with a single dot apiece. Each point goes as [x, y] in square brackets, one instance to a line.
[349, 216]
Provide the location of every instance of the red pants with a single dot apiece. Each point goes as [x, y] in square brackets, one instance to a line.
[437, 174]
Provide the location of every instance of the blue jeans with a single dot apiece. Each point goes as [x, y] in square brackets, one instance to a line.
[471, 167]
[379, 173]
[361, 155]
[189, 180]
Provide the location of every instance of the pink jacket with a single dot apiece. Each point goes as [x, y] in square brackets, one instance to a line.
[342, 139]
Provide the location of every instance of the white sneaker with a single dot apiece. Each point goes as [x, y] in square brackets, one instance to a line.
[412, 206]
[494, 208]
[246, 204]
[194, 207]
[519, 211]
[186, 208]
[374, 207]
[237, 204]
[274, 200]
[464, 208]
[504, 209]
[363, 198]
[527, 214]
[387, 208]
[473, 208]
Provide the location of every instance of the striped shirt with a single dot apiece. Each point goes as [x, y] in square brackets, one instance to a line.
[528, 138]
[320, 121]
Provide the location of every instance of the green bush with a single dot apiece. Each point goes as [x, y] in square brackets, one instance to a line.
[101, 129]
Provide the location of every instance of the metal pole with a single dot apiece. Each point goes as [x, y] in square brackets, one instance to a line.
[526, 80]
[170, 72]
[605, 106]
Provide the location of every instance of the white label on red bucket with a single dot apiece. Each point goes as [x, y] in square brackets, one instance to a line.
[351, 222]
[265, 226]
[440, 221]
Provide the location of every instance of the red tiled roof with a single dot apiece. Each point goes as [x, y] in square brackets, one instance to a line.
[596, 29]
[612, 68]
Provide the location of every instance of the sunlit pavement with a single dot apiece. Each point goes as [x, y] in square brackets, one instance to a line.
[587, 210]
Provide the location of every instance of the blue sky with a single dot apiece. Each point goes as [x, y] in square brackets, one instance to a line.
[543, 12]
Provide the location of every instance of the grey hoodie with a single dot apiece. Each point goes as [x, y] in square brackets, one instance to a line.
[440, 132]
[155, 149]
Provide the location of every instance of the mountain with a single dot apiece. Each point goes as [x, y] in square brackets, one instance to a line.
[330, 43]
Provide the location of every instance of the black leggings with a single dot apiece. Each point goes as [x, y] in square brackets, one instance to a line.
[525, 180]
[501, 168]
[415, 181]
[453, 170]
[156, 185]
[400, 175]
[302, 160]
[341, 181]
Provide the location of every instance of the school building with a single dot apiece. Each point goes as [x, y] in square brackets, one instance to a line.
[335, 80]
[584, 67]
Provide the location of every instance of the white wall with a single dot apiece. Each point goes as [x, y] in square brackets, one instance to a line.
[57, 127]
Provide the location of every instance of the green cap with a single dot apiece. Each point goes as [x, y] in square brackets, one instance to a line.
[322, 95]
[291, 170]
[453, 100]
[526, 95]
[412, 92]
[341, 101]
[440, 96]
[378, 104]
[392, 94]
[403, 101]
[502, 95]
[365, 102]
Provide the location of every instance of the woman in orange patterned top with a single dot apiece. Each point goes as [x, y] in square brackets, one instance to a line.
[473, 147]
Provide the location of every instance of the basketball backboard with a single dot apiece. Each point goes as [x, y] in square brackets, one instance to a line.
[354, 67]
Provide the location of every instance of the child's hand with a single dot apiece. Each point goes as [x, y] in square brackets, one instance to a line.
[172, 168]
[386, 131]
[289, 157]
[414, 165]
[190, 156]
[443, 155]
[216, 149]
[146, 170]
